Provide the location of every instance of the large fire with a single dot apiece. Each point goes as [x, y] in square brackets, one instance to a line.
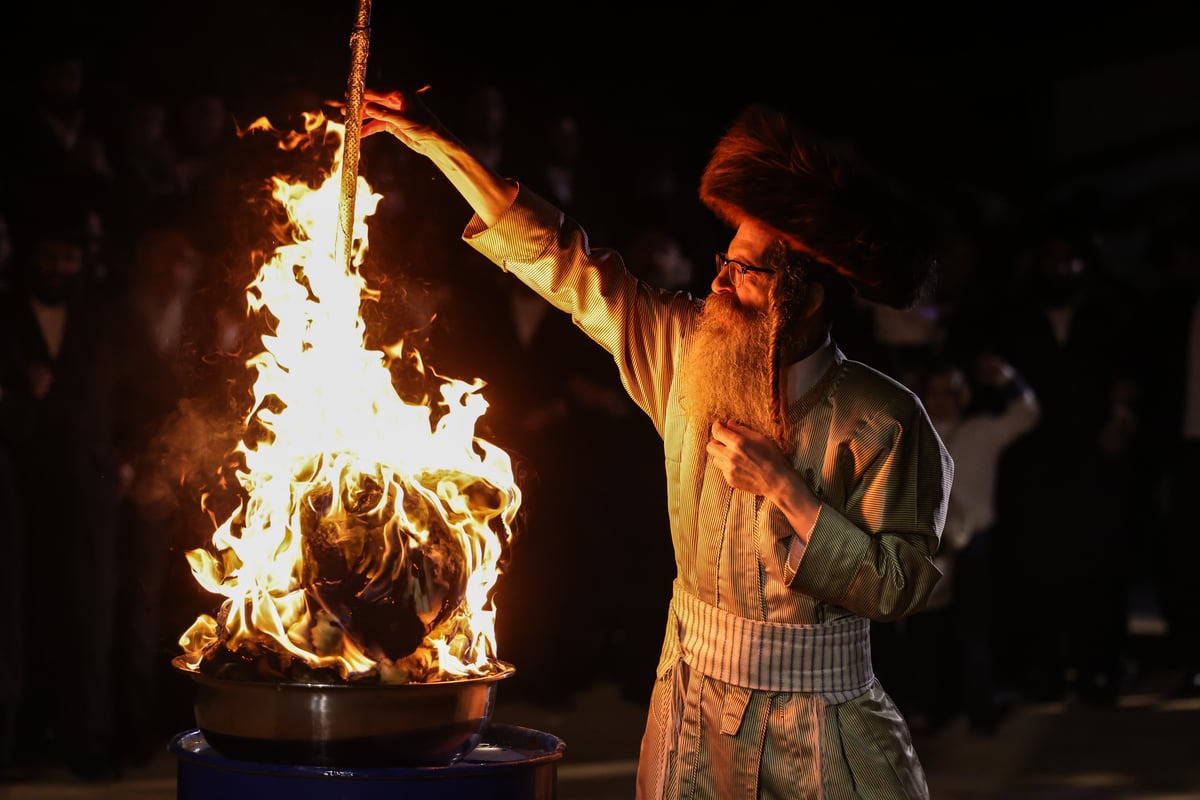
[372, 528]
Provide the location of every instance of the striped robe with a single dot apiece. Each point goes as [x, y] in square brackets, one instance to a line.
[869, 452]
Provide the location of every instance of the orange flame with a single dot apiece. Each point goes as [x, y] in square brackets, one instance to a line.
[371, 533]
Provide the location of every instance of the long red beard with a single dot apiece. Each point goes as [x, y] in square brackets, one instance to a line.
[726, 373]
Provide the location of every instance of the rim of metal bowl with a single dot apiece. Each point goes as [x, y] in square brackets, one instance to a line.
[179, 662]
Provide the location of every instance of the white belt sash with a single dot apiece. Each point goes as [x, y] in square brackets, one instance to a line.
[831, 660]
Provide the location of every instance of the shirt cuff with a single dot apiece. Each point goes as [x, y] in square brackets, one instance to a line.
[796, 547]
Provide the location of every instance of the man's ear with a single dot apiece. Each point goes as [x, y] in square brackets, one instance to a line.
[815, 301]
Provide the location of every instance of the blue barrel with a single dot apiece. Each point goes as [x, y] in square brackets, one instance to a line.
[510, 763]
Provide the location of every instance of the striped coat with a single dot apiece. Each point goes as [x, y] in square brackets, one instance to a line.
[764, 686]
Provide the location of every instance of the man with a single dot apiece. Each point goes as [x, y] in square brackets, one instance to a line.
[950, 654]
[807, 492]
[1072, 327]
[73, 377]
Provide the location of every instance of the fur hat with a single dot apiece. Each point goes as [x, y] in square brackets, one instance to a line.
[824, 201]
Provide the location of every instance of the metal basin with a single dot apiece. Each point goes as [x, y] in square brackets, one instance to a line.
[350, 725]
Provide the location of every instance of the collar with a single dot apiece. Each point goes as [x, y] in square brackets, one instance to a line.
[803, 374]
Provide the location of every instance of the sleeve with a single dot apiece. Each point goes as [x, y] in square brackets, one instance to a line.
[874, 556]
[1021, 413]
[637, 324]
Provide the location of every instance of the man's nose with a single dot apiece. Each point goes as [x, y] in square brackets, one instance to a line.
[721, 281]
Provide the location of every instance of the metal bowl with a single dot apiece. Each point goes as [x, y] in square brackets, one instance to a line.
[344, 725]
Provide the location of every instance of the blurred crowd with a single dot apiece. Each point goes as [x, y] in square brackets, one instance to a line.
[1062, 372]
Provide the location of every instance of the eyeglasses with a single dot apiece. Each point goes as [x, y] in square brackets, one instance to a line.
[738, 270]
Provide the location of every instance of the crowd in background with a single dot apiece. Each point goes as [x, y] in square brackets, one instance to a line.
[1064, 382]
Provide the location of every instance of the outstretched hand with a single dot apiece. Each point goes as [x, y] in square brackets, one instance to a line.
[405, 116]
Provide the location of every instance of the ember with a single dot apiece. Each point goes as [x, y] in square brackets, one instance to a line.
[372, 528]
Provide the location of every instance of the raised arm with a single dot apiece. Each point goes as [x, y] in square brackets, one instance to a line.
[405, 116]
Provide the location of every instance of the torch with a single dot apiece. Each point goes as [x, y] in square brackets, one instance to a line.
[360, 39]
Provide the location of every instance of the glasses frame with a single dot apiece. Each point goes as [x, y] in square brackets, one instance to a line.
[738, 269]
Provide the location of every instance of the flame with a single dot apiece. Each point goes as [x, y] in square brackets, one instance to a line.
[371, 531]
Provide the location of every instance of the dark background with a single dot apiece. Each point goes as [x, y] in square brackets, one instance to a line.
[1019, 98]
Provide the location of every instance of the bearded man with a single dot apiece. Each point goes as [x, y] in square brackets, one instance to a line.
[807, 492]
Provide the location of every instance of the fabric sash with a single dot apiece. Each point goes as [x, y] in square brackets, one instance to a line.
[831, 660]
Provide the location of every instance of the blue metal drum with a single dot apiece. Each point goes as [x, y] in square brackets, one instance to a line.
[509, 763]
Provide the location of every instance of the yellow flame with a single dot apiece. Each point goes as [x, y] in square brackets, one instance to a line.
[346, 470]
